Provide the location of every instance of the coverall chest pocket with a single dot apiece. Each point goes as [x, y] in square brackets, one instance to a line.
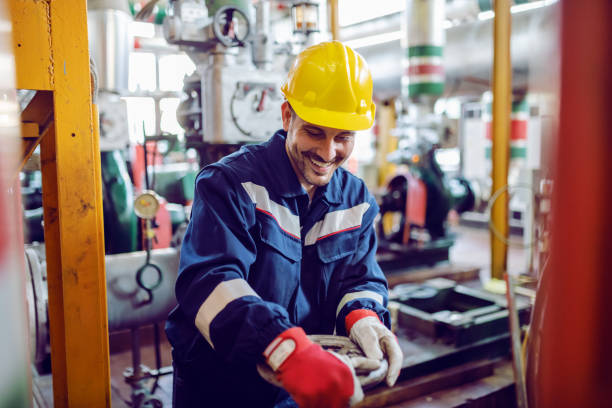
[275, 275]
[335, 247]
[282, 244]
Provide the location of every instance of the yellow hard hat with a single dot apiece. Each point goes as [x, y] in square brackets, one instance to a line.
[330, 85]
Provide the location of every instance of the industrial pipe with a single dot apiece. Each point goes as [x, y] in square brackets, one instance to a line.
[569, 355]
[423, 77]
[531, 60]
[262, 43]
[502, 80]
[334, 26]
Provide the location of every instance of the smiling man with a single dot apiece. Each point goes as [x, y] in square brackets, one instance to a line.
[280, 244]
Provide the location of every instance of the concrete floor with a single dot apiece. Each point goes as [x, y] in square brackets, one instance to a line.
[471, 249]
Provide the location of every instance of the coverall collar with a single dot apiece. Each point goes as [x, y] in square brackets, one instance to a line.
[287, 181]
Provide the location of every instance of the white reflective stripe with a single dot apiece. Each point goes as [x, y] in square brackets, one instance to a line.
[286, 220]
[220, 297]
[271, 346]
[364, 294]
[280, 354]
[335, 222]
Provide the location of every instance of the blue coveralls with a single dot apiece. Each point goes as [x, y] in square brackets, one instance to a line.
[256, 260]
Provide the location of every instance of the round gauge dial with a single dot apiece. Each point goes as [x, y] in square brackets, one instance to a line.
[254, 108]
[146, 205]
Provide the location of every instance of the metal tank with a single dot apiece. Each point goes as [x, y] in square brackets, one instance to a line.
[129, 305]
[110, 42]
[468, 52]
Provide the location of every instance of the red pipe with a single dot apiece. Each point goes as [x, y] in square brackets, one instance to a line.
[570, 348]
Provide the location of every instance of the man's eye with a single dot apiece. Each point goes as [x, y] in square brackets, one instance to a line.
[314, 134]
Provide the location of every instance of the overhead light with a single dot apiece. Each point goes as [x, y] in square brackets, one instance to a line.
[374, 39]
[305, 17]
[527, 6]
[486, 15]
[518, 8]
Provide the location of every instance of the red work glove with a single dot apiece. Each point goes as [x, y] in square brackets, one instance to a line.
[375, 339]
[312, 376]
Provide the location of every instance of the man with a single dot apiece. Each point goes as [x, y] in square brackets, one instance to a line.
[280, 244]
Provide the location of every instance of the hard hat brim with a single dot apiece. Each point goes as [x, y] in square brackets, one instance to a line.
[336, 120]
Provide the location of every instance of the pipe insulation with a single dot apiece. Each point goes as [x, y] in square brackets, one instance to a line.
[468, 52]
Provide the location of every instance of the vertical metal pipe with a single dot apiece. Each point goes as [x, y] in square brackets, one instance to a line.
[502, 79]
[136, 352]
[262, 43]
[569, 354]
[333, 19]
[423, 76]
[387, 143]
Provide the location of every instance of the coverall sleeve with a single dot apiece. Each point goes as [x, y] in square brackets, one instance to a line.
[362, 282]
[216, 256]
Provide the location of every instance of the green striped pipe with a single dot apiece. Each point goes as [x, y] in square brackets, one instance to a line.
[516, 152]
[425, 70]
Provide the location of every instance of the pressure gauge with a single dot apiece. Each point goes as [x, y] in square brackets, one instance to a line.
[231, 26]
[146, 205]
[254, 109]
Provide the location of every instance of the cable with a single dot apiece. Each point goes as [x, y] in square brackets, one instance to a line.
[492, 226]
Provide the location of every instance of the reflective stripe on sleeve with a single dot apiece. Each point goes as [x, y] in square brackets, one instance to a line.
[220, 297]
[336, 222]
[365, 294]
[285, 219]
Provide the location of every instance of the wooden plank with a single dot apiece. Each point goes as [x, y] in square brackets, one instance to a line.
[32, 43]
[496, 390]
[409, 389]
[29, 130]
[30, 140]
[454, 272]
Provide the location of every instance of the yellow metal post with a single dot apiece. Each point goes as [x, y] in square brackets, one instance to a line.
[502, 78]
[51, 51]
[386, 142]
[333, 19]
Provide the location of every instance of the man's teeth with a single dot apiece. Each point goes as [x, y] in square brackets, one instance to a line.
[319, 163]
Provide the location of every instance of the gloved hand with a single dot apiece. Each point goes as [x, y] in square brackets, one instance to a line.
[376, 340]
[312, 376]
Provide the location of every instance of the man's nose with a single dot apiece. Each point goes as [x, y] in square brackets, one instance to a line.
[327, 150]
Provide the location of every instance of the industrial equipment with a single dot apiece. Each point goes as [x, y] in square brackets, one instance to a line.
[423, 195]
[442, 324]
[465, 30]
[234, 96]
[135, 298]
[455, 314]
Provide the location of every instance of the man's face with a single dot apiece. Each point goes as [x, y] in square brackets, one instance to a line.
[315, 151]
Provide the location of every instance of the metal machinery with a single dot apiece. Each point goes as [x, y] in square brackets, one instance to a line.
[423, 195]
[468, 29]
[234, 96]
[442, 324]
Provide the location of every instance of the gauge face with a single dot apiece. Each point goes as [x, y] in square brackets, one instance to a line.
[254, 109]
[146, 205]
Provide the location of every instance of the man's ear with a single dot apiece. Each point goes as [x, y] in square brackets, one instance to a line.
[286, 115]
